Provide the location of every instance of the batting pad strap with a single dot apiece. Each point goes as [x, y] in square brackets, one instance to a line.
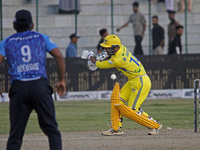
[114, 111]
[137, 117]
[122, 100]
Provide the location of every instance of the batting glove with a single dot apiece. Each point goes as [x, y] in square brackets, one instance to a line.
[86, 54]
[91, 66]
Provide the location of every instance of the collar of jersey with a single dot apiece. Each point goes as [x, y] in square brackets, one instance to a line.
[119, 51]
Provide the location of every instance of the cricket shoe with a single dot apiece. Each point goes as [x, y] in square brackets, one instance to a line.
[155, 131]
[113, 132]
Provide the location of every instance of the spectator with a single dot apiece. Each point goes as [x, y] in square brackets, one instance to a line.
[68, 7]
[172, 27]
[160, 1]
[139, 25]
[71, 50]
[103, 33]
[158, 37]
[26, 59]
[176, 46]
[169, 4]
[189, 5]
[157, 1]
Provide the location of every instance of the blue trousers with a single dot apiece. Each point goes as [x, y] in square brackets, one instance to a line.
[26, 96]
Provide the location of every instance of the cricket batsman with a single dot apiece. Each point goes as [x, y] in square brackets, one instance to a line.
[134, 91]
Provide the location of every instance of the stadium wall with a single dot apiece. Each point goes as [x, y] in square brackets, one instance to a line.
[165, 72]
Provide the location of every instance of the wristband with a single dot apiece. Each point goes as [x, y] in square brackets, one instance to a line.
[89, 56]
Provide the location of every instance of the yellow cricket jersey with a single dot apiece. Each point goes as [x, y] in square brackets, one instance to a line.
[125, 62]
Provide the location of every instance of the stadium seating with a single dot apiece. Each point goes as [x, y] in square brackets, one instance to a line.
[96, 15]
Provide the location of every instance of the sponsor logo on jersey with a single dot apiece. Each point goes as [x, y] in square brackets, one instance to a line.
[112, 59]
[23, 38]
[110, 62]
[137, 70]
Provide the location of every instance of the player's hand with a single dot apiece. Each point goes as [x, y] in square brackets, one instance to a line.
[87, 54]
[91, 66]
[118, 30]
[60, 88]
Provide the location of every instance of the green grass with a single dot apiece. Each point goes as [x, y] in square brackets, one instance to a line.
[75, 116]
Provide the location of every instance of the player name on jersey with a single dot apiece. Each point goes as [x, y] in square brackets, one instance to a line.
[28, 67]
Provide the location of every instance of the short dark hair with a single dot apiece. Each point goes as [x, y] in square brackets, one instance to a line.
[179, 26]
[102, 31]
[155, 16]
[135, 4]
[22, 28]
[23, 20]
[171, 11]
[73, 35]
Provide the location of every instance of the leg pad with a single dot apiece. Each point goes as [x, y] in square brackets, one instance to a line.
[137, 117]
[114, 111]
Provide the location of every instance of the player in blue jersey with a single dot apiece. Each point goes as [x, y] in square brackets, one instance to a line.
[26, 57]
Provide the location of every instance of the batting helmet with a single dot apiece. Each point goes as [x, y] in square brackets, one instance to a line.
[110, 41]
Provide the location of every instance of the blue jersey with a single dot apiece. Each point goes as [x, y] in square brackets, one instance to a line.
[26, 54]
[71, 50]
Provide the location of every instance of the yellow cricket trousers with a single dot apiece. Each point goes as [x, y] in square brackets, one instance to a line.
[135, 92]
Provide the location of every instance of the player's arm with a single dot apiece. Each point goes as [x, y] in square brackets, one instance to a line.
[105, 64]
[53, 49]
[1, 59]
[60, 62]
[100, 64]
[2, 51]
